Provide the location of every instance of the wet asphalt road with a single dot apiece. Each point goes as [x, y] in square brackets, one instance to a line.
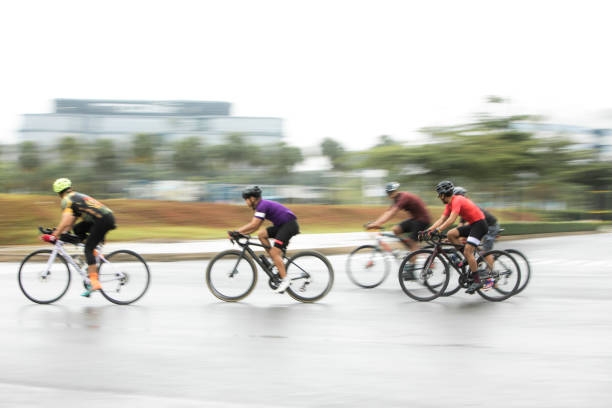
[181, 347]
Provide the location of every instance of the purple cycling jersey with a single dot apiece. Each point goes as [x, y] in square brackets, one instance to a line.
[277, 213]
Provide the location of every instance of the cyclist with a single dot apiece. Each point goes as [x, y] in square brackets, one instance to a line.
[463, 229]
[284, 226]
[418, 221]
[457, 205]
[97, 220]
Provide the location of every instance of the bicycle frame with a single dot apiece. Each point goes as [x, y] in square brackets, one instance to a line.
[59, 249]
[246, 249]
[381, 244]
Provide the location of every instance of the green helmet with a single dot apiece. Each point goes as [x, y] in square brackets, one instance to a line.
[61, 184]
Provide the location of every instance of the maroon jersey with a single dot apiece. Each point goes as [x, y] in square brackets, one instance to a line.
[414, 205]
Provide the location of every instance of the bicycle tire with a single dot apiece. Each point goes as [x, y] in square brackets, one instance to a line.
[21, 278]
[317, 264]
[131, 265]
[422, 288]
[525, 272]
[238, 257]
[508, 290]
[354, 264]
[451, 289]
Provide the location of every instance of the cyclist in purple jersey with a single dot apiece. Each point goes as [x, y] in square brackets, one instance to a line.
[284, 226]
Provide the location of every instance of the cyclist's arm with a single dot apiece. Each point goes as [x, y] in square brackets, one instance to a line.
[437, 223]
[449, 221]
[251, 226]
[65, 224]
[386, 216]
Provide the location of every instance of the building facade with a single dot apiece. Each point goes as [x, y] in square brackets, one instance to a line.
[119, 120]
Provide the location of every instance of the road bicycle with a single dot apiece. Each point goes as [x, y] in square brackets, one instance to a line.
[503, 275]
[369, 265]
[519, 257]
[231, 275]
[44, 275]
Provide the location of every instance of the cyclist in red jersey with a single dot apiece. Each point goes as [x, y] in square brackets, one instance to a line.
[456, 206]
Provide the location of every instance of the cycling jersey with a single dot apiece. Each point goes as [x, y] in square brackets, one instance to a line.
[277, 213]
[81, 205]
[489, 218]
[414, 205]
[465, 208]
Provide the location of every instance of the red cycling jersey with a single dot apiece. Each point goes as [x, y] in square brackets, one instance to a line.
[465, 208]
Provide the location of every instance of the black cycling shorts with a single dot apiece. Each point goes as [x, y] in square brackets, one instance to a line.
[413, 227]
[97, 231]
[474, 232]
[281, 234]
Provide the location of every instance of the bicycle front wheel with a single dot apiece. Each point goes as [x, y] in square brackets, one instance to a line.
[125, 277]
[43, 281]
[231, 276]
[505, 273]
[525, 266]
[312, 276]
[367, 266]
[422, 276]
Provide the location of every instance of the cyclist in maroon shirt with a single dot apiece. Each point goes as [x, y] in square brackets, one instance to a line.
[418, 221]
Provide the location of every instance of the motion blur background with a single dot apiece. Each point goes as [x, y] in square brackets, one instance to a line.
[320, 102]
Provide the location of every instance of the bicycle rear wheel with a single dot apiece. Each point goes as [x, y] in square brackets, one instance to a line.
[505, 273]
[231, 276]
[521, 259]
[367, 266]
[125, 278]
[427, 278]
[312, 276]
[39, 283]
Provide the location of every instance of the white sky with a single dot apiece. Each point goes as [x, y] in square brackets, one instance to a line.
[350, 70]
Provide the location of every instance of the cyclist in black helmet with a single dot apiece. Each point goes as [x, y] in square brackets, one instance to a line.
[459, 206]
[284, 227]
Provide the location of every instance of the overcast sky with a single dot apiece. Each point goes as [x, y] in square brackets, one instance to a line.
[350, 70]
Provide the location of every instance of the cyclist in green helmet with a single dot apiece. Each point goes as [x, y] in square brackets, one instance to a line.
[97, 220]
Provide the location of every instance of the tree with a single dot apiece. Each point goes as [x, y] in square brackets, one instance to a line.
[286, 157]
[143, 147]
[385, 140]
[334, 151]
[188, 155]
[104, 157]
[29, 156]
[68, 149]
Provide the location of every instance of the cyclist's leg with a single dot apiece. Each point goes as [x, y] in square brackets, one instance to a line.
[264, 236]
[281, 240]
[411, 227]
[477, 231]
[487, 242]
[96, 235]
[82, 228]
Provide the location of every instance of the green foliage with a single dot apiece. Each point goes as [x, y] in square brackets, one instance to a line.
[334, 151]
[188, 155]
[144, 146]
[29, 156]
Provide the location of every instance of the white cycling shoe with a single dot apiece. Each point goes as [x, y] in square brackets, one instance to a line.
[283, 285]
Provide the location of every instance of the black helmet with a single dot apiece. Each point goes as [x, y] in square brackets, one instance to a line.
[459, 191]
[252, 191]
[445, 187]
[392, 186]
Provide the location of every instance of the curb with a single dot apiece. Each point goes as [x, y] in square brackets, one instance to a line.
[18, 255]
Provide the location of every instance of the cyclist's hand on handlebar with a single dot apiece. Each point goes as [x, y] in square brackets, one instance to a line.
[48, 238]
[370, 226]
